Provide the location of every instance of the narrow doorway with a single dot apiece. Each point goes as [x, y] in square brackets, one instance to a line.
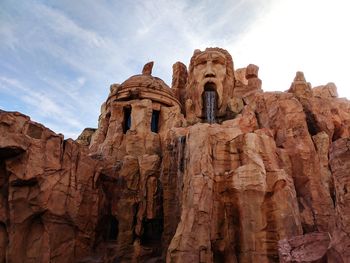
[127, 119]
[155, 121]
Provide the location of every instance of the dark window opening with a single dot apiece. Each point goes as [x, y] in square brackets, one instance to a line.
[219, 256]
[127, 119]
[111, 230]
[155, 121]
[209, 98]
[29, 182]
[152, 232]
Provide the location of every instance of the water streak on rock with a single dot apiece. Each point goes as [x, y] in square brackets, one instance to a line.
[210, 106]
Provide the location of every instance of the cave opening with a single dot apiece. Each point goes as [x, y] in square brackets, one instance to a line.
[112, 229]
[152, 232]
[127, 119]
[108, 228]
[209, 98]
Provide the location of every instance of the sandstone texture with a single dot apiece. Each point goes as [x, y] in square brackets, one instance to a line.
[213, 169]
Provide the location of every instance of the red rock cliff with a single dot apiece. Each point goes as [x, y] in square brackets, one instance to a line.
[212, 170]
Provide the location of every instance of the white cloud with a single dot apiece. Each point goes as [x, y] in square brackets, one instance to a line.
[298, 35]
[40, 104]
[170, 31]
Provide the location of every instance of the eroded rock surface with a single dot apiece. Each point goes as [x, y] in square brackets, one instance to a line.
[212, 170]
[49, 196]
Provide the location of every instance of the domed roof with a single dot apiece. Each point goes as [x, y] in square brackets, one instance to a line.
[144, 86]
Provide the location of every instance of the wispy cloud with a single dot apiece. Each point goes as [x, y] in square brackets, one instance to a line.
[61, 63]
[7, 35]
[40, 103]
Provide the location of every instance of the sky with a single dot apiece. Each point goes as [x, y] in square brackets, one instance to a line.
[59, 57]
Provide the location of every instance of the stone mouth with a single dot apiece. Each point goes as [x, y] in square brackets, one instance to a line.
[209, 86]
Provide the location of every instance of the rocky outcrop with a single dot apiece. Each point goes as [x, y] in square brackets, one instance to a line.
[307, 248]
[212, 170]
[85, 137]
[236, 202]
[49, 195]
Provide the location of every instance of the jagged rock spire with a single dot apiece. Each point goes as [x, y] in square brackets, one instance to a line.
[147, 68]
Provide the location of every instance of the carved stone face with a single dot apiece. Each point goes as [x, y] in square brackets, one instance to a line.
[210, 67]
[210, 70]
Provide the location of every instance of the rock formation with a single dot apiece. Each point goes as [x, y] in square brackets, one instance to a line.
[210, 170]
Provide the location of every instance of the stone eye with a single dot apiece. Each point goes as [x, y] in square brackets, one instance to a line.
[218, 61]
[200, 62]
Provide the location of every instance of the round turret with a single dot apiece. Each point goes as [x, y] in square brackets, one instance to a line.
[144, 86]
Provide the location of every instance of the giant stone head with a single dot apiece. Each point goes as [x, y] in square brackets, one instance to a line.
[210, 83]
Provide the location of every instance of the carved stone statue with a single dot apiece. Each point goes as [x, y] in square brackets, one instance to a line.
[210, 71]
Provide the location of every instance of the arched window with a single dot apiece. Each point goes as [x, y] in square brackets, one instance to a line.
[127, 119]
[155, 121]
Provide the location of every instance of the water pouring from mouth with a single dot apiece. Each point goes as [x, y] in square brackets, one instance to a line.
[210, 102]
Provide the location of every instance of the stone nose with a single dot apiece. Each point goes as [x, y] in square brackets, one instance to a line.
[209, 71]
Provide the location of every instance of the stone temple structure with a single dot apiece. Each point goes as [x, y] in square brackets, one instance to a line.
[212, 169]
